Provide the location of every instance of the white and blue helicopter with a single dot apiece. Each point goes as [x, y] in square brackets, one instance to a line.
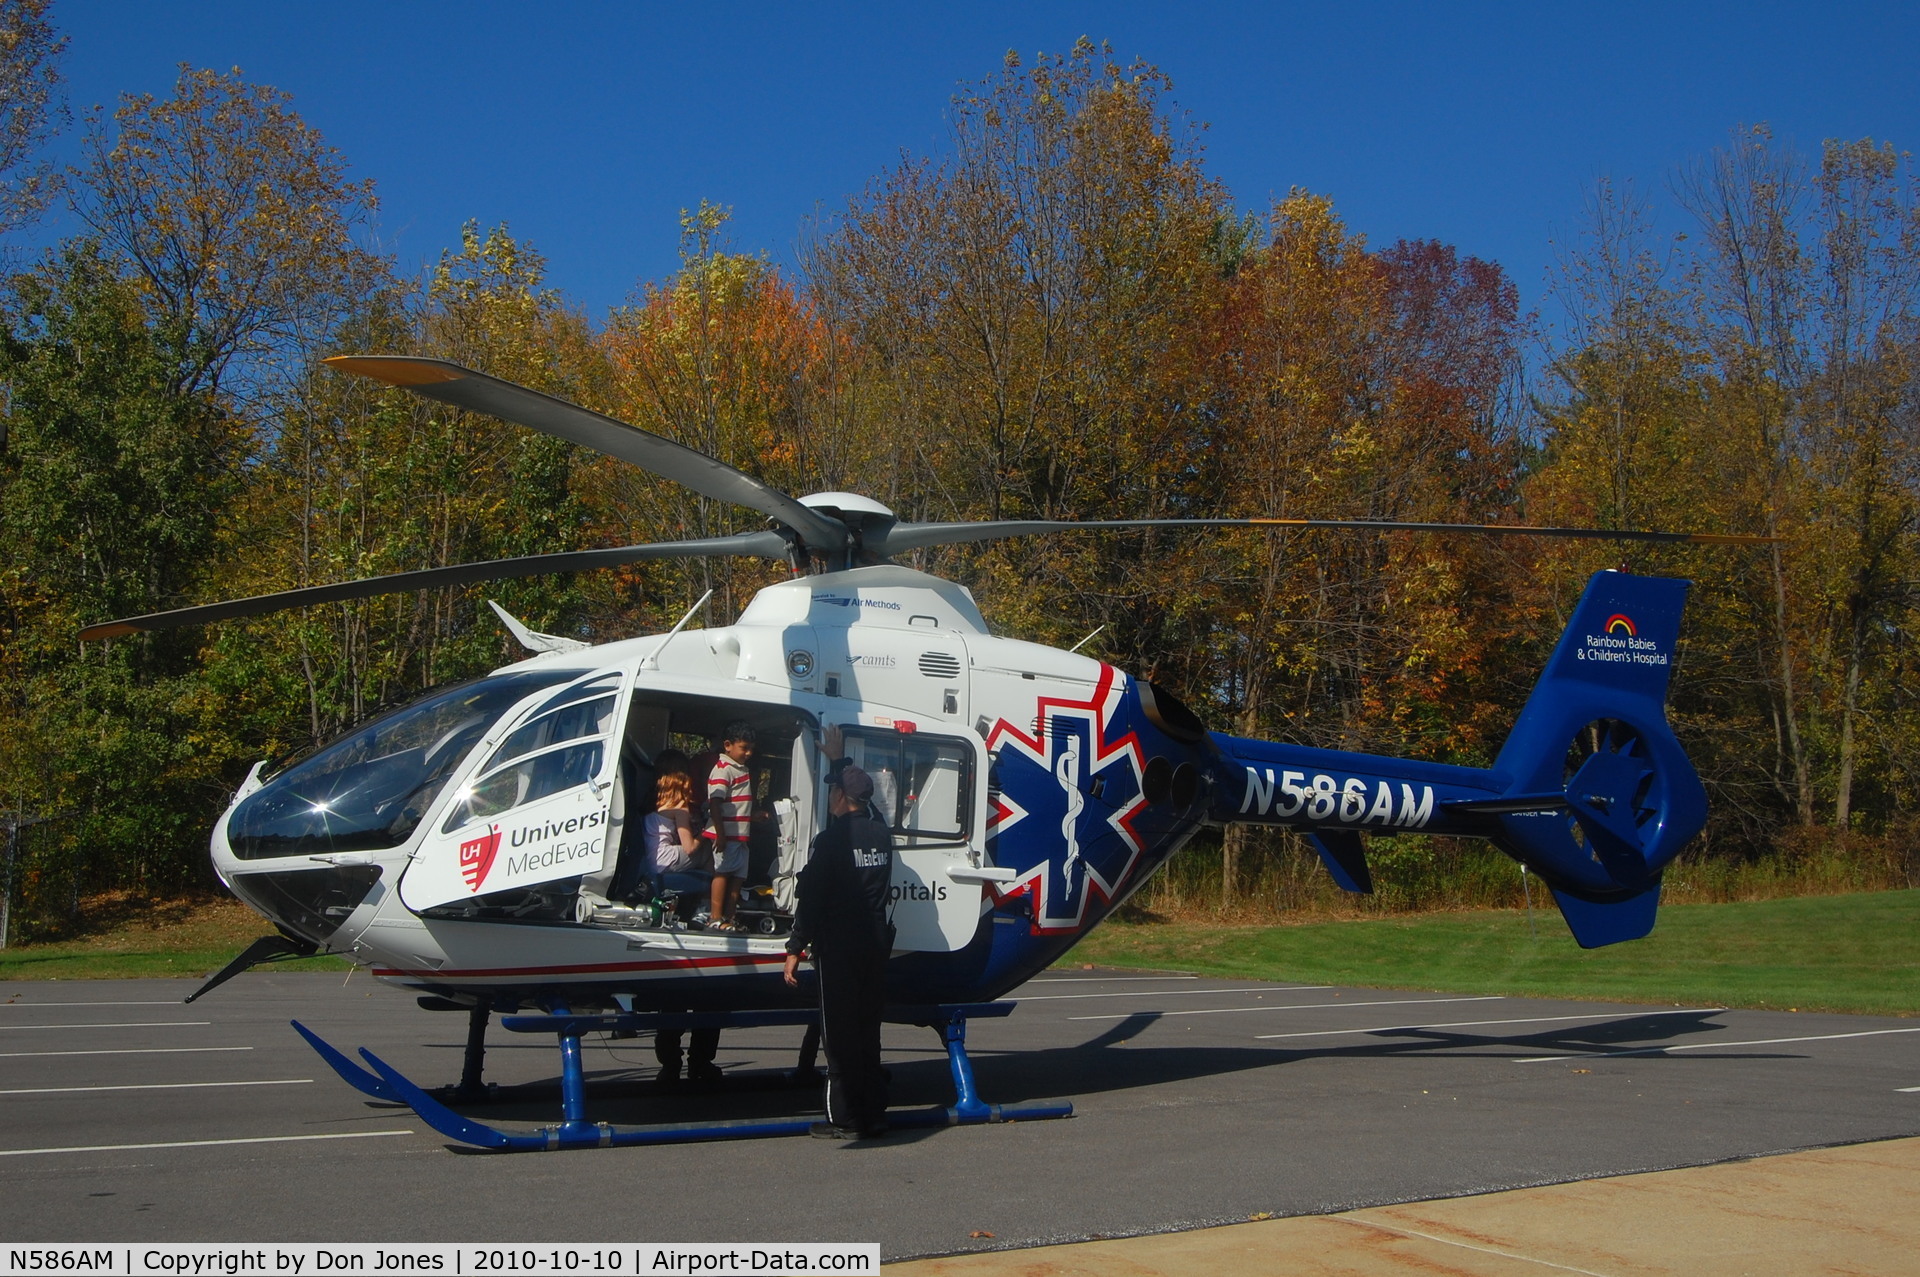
[479, 845]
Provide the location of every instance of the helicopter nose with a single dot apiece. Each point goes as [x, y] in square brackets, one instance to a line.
[312, 903]
[300, 884]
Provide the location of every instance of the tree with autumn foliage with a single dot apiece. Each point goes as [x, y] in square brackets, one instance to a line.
[1364, 385]
[363, 480]
[726, 358]
[1062, 315]
[32, 111]
[1039, 314]
[1760, 375]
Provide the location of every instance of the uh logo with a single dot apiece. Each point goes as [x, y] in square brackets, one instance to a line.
[1068, 794]
[476, 857]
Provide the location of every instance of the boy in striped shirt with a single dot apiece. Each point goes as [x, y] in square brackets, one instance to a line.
[730, 807]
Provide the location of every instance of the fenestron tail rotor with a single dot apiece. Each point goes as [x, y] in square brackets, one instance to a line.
[837, 529]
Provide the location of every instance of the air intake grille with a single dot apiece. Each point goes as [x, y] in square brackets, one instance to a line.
[940, 665]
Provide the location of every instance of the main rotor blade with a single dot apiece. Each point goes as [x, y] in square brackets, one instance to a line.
[450, 383]
[765, 545]
[917, 536]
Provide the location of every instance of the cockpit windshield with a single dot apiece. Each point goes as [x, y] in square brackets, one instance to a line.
[370, 789]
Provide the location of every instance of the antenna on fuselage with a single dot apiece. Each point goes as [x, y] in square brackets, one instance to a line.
[652, 659]
[1088, 639]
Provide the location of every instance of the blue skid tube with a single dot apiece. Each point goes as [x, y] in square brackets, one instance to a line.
[574, 1131]
[579, 1133]
[350, 1073]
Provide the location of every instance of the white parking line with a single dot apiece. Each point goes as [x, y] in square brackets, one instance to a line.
[1474, 1024]
[1177, 993]
[257, 1139]
[1907, 1090]
[163, 1002]
[1106, 979]
[124, 1050]
[149, 1024]
[1704, 1046]
[152, 1086]
[1303, 1006]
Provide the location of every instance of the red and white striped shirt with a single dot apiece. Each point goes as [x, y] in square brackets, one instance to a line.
[730, 799]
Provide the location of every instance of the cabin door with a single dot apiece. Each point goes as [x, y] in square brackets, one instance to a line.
[536, 811]
[927, 786]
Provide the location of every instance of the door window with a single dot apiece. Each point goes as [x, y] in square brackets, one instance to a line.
[922, 784]
[564, 744]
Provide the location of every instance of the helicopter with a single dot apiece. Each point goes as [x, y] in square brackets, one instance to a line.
[478, 845]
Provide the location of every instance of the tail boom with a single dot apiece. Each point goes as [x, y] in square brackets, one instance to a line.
[1591, 791]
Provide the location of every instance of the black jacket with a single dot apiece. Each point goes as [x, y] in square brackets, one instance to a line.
[844, 890]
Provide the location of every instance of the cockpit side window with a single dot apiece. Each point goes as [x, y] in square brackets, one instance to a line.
[605, 685]
[577, 721]
[563, 745]
[538, 776]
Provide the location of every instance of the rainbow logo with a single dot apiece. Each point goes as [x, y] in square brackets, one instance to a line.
[1621, 623]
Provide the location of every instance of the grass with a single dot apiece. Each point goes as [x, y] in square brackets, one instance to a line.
[130, 938]
[1857, 953]
[1279, 877]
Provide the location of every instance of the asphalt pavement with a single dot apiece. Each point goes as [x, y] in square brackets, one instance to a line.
[126, 1115]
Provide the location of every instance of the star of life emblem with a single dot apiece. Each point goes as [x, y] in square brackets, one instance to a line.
[1068, 794]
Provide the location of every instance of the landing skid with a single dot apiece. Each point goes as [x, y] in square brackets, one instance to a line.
[350, 1073]
[949, 1020]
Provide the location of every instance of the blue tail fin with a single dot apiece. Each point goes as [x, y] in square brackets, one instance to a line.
[1619, 798]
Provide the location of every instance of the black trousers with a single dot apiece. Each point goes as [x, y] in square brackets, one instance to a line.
[701, 1050]
[852, 1000]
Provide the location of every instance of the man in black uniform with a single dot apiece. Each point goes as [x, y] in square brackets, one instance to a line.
[842, 916]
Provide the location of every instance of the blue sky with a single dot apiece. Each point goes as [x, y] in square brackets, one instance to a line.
[587, 127]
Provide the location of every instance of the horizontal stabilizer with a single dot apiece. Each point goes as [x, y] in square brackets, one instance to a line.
[1597, 923]
[1345, 855]
[1508, 805]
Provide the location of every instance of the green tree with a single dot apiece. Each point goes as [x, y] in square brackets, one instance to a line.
[112, 486]
[361, 480]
